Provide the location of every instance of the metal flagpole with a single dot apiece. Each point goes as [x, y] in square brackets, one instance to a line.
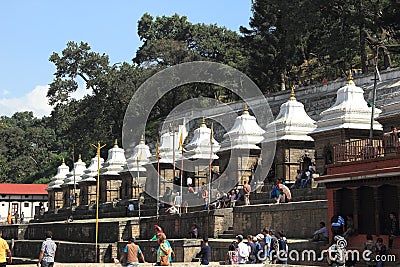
[73, 163]
[98, 147]
[158, 180]
[376, 73]
[181, 191]
[173, 145]
[211, 159]
[137, 178]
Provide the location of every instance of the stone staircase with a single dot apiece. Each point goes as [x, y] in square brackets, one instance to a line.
[227, 234]
[298, 195]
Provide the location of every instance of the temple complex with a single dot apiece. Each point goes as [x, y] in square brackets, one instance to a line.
[88, 184]
[294, 147]
[110, 181]
[348, 119]
[54, 188]
[198, 154]
[359, 176]
[133, 175]
[70, 186]
[240, 150]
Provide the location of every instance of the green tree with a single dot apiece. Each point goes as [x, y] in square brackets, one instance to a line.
[27, 147]
[99, 115]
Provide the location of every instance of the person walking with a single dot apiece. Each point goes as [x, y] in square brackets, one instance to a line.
[9, 218]
[47, 252]
[4, 250]
[205, 252]
[394, 229]
[131, 254]
[22, 217]
[243, 251]
[163, 251]
[246, 191]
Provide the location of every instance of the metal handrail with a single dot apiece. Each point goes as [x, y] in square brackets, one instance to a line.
[361, 149]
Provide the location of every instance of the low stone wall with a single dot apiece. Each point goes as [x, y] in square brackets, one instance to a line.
[77, 231]
[296, 219]
[66, 251]
[303, 194]
[14, 231]
[186, 250]
[214, 223]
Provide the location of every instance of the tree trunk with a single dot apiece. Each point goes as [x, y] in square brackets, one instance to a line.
[363, 50]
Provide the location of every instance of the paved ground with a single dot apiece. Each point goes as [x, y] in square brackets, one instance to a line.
[175, 264]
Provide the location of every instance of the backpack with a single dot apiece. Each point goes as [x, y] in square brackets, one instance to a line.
[274, 244]
[371, 246]
[336, 254]
[283, 245]
[275, 192]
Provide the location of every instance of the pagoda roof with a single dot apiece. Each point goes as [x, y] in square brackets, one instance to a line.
[75, 175]
[200, 146]
[140, 157]
[167, 142]
[244, 134]
[115, 161]
[350, 111]
[292, 123]
[90, 174]
[59, 178]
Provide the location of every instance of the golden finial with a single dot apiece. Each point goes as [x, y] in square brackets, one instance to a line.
[350, 79]
[292, 96]
[245, 109]
[79, 158]
[116, 143]
[63, 161]
[203, 122]
[142, 139]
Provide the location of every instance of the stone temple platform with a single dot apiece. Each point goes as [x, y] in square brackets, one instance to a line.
[76, 240]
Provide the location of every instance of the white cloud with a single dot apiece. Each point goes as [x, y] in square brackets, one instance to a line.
[35, 101]
[5, 92]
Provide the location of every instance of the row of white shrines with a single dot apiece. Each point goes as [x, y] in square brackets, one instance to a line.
[291, 146]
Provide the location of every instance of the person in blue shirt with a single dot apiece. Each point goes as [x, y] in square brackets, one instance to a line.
[267, 243]
[337, 225]
[131, 253]
[205, 252]
[164, 238]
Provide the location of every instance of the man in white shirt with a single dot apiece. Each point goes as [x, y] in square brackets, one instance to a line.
[322, 234]
[243, 251]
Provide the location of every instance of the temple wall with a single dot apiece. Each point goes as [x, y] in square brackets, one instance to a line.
[316, 98]
[81, 232]
[66, 251]
[176, 226]
[289, 157]
[296, 219]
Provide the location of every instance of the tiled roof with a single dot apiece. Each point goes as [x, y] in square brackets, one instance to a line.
[23, 189]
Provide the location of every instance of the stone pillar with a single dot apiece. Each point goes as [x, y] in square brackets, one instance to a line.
[378, 204]
[398, 199]
[336, 201]
[356, 206]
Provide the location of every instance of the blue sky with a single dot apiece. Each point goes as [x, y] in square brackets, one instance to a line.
[32, 30]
